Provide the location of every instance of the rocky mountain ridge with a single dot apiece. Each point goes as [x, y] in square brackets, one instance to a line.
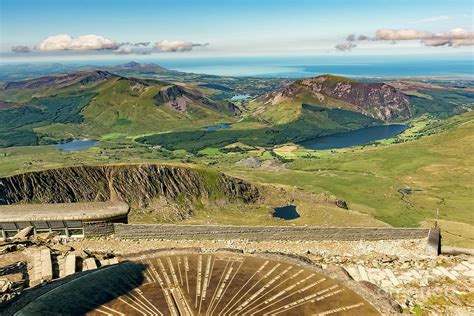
[137, 185]
[378, 100]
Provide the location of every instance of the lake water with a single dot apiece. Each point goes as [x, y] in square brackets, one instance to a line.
[217, 127]
[286, 212]
[77, 144]
[354, 138]
[240, 97]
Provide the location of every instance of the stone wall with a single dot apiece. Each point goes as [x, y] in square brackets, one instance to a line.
[98, 229]
[259, 233]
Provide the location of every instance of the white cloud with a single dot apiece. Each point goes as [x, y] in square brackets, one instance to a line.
[176, 46]
[124, 50]
[455, 38]
[400, 35]
[81, 43]
[21, 49]
[347, 46]
[130, 48]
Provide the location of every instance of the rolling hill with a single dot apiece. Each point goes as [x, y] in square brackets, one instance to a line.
[107, 104]
[95, 102]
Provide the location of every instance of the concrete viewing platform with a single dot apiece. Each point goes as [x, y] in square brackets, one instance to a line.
[90, 211]
[68, 219]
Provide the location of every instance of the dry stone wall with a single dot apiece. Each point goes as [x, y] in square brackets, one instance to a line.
[138, 231]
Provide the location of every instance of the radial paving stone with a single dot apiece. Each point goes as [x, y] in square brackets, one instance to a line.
[202, 284]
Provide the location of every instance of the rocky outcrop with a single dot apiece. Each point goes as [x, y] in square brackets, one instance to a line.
[176, 97]
[342, 204]
[135, 184]
[234, 108]
[180, 99]
[81, 77]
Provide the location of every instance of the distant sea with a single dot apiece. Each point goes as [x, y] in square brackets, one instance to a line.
[460, 65]
[297, 67]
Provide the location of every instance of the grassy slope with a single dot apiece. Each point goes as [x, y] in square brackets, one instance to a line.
[441, 165]
[291, 109]
[368, 179]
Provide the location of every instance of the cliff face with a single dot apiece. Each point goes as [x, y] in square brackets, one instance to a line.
[134, 184]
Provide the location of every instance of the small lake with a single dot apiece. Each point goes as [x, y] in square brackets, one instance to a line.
[217, 127]
[77, 144]
[286, 212]
[354, 138]
[240, 97]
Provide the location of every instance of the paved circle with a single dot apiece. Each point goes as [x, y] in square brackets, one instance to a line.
[202, 284]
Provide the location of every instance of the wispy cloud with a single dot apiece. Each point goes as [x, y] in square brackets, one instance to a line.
[455, 38]
[21, 49]
[177, 46]
[347, 46]
[432, 19]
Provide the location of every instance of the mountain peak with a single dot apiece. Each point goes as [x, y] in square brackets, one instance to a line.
[378, 100]
[131, 64]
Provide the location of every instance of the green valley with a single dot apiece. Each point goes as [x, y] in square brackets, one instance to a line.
[416, 178]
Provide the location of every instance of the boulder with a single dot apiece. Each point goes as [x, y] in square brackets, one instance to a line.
[342, 204]
[249, 162]
[24, 233]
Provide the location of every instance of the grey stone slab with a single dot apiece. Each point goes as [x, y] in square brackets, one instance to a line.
[70, 264]
[46, 265]
[90, 264]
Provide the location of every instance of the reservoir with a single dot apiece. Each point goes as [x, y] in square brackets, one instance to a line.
[240, 97]
[77, 144]
[357, 137]
[217, 127]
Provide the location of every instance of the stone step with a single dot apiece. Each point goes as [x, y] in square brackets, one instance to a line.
[469, 265]
[353, 273]
[392, 277]
[46, 265]
[447, 273]
[363, 273]
[70, 264]
[90, 264]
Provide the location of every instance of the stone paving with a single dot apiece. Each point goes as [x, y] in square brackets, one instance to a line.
[440, 286]
[388, 279]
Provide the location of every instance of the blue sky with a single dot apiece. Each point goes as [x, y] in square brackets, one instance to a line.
[243, 27]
